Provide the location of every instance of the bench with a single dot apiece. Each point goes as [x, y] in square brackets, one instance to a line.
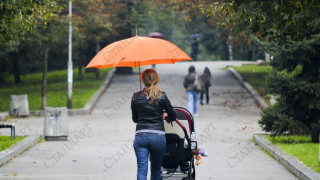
[12, 127]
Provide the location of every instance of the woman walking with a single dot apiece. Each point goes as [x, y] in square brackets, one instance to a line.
[147, 111]
[206, 82]
[192, 94]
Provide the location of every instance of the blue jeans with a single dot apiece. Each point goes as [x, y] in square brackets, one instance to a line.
[153, 144]
[193, 101]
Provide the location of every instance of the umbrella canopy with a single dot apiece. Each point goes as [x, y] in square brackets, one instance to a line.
[155, 35]
[138, 51]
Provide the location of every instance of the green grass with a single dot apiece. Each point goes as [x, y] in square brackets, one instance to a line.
[6, 142]
[56, 90]
[255, 75]
[299, 147]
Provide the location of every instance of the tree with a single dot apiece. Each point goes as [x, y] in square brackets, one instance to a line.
[125, 28]
[48, 36]
[290, 31]
[19, 19]
[99, 23]
[91, 20]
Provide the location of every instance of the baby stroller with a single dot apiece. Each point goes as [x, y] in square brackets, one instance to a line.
[178, 161]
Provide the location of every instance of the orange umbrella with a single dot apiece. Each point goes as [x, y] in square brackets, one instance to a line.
[138, 51]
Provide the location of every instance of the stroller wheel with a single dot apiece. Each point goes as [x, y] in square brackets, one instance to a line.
[192, 170]
[184, 166]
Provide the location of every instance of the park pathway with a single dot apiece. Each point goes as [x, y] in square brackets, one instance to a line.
[100, 144]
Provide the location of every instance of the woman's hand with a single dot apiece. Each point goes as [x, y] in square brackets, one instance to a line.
[164, 116]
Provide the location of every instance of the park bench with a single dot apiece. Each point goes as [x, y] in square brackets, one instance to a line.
[12, 127]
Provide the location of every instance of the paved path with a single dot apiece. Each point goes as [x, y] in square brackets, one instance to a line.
[100, 144]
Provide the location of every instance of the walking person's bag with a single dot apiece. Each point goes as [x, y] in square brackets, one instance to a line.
[197, 84]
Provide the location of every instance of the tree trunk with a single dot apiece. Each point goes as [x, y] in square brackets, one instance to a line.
[97, 70]
[97, 73]
[242, 52]
[249, 54]
[124, 70]
[225, 48]
[44, 76]
[16, 71]
[315, 137]
[125, 32]
[80, 65]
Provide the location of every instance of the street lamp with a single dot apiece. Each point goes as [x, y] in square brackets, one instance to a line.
[70, 69]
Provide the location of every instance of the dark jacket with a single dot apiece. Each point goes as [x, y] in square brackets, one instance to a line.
[189, 80]
[205, 80]
[150, 116]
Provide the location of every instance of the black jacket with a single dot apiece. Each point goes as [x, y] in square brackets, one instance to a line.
[150, 116]
[205, 80]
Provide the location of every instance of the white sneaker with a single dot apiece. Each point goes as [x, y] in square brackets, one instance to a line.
[196, 115]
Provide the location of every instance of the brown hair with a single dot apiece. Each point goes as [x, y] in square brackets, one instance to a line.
[150, 78]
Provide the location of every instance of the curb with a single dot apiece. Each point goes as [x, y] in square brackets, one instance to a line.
[260, 101]
[8, 154]
[87, 108]
[292, 163]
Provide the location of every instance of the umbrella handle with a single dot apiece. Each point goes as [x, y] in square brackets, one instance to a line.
[139, 77]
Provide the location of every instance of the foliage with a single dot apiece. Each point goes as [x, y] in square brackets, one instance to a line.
[19, 18]
[297, 81]
[55, 28]
[300, 147]
[289, 30]
[90, 21]
[97, 23]
[190, 18]
[275, 20]
[57, 83]
[275, 120]
[6, 142]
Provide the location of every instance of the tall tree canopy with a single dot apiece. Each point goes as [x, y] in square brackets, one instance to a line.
[19, 18]
[289, 30]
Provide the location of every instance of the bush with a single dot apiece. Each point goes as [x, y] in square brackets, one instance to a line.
[296, 80]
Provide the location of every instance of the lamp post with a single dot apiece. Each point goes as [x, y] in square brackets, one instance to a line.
[70, 69]
[230, 48]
